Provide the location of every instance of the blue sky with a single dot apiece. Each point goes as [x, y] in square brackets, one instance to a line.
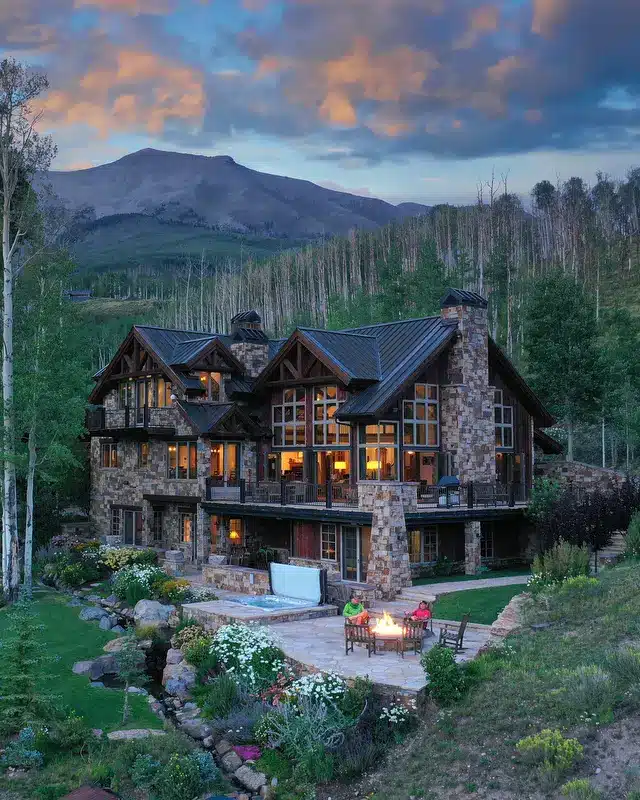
[417, 100]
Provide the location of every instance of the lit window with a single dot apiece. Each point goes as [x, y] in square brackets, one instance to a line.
[163, 393]
[328, 543]
[503, 421]
[182, 460]
[211, 382]
[289, 418]
[421, 417]
[379, 452]
[187, 526]
[236, 532]
[325, 428]
[109, 455]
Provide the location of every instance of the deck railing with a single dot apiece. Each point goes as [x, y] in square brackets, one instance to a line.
[337, 495]
[100, 418]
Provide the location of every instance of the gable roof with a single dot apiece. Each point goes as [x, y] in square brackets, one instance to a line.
[355, 353]
[528, 397]
[404, 348]
[207, 417]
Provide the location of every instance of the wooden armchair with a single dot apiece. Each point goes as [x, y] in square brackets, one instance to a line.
[412, 633]
[452, 635]
[358, 634]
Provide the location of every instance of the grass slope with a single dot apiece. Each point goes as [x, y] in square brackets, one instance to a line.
[551, 678]
[498, 573]
[69, 639]
[484, 605]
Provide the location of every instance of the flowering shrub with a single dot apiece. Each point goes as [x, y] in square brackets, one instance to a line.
[562, 561]
[186, 634]
[137, 582]
[175, 590]
[326, 689]
[398, 715]
[250, 653]
[550, 749]
[115, 558]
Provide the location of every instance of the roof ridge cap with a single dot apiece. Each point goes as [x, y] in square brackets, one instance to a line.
[390, 322]
[346, 332]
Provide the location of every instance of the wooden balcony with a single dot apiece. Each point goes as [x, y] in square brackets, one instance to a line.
[141, 422]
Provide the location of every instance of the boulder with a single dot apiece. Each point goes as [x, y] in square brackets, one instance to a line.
[94, 598]
[75, 603]
[174, 656]
[151, 612]
[137, 690]
[231, 761]
[208, 742]
[97, 684]
[114, 646]
[178, 679]
[196, 729]
[112, 600]
[103, 665]
[223, 747]
[82, 667]
[117, 629]
[135, 733]
[92, 613]
[250, 778]
[105, 624]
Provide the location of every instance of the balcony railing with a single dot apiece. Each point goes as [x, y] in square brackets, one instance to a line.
[101, 418]
[472, 495]
[285, 493]
[337, 495]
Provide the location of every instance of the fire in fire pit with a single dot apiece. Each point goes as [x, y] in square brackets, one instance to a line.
[386, 626]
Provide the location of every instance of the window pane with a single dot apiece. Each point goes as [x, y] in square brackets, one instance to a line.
[498, 437]
[300, 395]
[421, 434]
[432, 412]
[433, 435]
[498, 397]
[288, 413]
[331, 433]
[415, 541]
[318, 434]
[183, 460]
[507, 415]
[432, 392]
[318, 412]
[277, 413]
[371, 434]
[507, 434]
[319, 394]
[421, 391]
[421, 411]
[300, 435]
[172, 460]
[408, 433]
[287, 396]
[498, 414]
[288, 435]
[408, 410]
[300, 413]
[277, 437]
[193, 460]
[344, 434]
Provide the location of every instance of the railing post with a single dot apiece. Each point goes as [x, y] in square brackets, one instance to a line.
[283, 492]
[126, 416]
[446, 489]
[329, 492]
[243, 490]
[512, 495]
[470, 495]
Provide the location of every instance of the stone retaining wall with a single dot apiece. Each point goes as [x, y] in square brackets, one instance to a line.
[575, 473]
[242, 580]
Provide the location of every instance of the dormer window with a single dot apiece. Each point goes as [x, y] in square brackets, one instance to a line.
[503, 421]
[211, 382]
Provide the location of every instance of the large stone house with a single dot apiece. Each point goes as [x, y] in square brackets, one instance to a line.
[373, 451]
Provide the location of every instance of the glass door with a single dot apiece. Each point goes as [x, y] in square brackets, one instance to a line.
[351, 567]
[132, 528]
[141, 397]
[225, 464]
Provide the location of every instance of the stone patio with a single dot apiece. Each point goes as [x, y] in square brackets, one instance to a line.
[319, 645]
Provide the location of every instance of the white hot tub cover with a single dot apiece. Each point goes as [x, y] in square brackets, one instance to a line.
[303, 583]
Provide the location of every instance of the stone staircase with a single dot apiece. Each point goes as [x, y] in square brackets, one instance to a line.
[616, 548]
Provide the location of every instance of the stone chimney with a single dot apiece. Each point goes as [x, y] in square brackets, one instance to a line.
[249, 342]
[466, 400]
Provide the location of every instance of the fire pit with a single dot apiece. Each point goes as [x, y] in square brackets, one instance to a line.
[387, 632]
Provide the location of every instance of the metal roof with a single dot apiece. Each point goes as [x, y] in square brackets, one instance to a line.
[186, 351]
[241, 385]
[404, 348]
[461, 297]
[246, 316]
[205, 416]
[355, 353]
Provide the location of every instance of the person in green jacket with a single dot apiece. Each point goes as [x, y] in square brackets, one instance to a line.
[354, 612]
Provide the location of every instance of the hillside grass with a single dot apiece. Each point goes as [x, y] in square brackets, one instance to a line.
[483, 605]
[579, 676]
[498, 573]
[69, 639]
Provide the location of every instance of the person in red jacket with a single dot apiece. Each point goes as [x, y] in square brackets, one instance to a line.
[422, 613]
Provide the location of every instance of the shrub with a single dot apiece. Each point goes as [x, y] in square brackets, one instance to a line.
[398, 716]
[551, 751]
[307, 726]
[443, 567]
[187, 631]
[250, 653]
[632, 539]
[563, 560]
[136, 583]
[144, 771]
[198, 652]
[358, 754]
[264, 729]
[68, 735]
[327, 689]
[354, 700]
[179, 778]
[115, 558]
[590, 689]
[580, 789]
[314, 766]
[21, 752]
[220, 698]
[446, 679]
[176, 590]
[625, 666]
[274, 764]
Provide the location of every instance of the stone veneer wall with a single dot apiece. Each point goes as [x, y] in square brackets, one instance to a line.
[242, 580]
[408, 493]
[575, 473]
[466, 402]
[388, 569]
[254, 356]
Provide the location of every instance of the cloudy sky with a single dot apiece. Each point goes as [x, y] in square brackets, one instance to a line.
[402, 99]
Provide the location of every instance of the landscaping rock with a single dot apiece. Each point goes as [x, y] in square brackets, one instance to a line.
[75, 603]
[118, 629]
[82, 667]
[231, 761]
[178, 679]
[250, 778]
[151, 612]
[103, 665]
[91, 613]
[174, 656]
[145, 644]
[94, 598]
[97, 732]
[135, 733]
[208, 742]
[105, 624]
[114, 646]
[196, 729]
[191, 707]
[97, 684]
[223, 747]
[137, 690]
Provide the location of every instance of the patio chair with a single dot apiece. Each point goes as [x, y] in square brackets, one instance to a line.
[358, 634]
[427, 623]
[452, 635]
[412, 633]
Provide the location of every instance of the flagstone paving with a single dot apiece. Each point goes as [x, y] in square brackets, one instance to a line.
[319, 644]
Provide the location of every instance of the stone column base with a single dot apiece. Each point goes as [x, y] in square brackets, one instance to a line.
[472, 557]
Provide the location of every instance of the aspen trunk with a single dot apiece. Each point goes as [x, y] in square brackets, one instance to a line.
[29, 525]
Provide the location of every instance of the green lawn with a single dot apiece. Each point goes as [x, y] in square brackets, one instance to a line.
[68, 640]
[484, 605]
[499, 573]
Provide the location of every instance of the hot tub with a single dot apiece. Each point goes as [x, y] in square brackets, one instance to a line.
[269, 602]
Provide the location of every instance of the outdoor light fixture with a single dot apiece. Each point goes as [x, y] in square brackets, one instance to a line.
[234, 535]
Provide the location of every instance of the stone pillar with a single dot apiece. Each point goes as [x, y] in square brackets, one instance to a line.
[203, 528]
[466, 401]
[249, 467]
[472, 535]
[147, 524]
[388, 569]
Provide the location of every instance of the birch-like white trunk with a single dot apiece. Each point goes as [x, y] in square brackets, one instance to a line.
[29, 524]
